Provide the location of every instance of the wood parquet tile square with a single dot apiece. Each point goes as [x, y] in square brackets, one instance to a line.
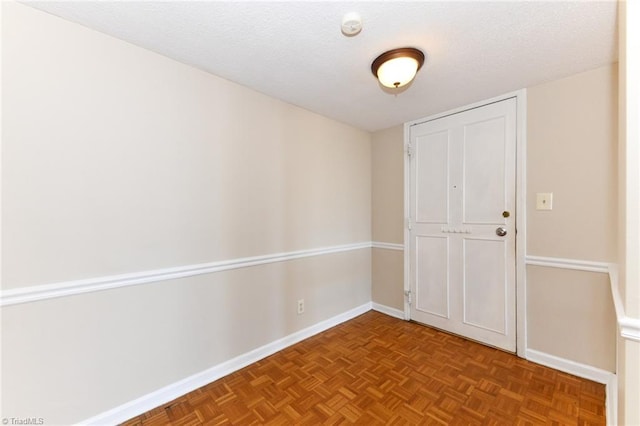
[376, 369]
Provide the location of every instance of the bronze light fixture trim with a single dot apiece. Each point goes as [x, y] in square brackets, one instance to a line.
[396, 68]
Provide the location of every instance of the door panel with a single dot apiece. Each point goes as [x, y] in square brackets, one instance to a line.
[433, 296]
[432, 178]
[484, 171]
[484, 284]
[462, 181]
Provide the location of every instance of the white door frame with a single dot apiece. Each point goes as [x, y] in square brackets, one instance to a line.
[521, 197]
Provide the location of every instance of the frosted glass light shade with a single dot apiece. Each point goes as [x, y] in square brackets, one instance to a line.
[397, 72]
[397, 67]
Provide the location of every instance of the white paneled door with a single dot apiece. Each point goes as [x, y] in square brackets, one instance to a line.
[462, 223]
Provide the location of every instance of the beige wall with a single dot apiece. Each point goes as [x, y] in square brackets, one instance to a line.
[387, 221]
[387, 278]
[118, 160]
[71, 358]
[571, 316]
[387, 182]
[629, 155]
[571, 137]
[629, 205]
[571, 152]
[142, 162]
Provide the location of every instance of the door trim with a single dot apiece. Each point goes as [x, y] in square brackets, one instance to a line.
[521, 197]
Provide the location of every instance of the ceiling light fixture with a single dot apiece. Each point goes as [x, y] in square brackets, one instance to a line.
[397, 67]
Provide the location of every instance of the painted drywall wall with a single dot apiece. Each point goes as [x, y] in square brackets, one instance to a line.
[629, 155]
[119, 145]
[68, 359]
[387, 220]
[387, 268]
[551, 295]
[118, 160]
[571, 152]
[629, 205]
[387, 181]
[571, 137]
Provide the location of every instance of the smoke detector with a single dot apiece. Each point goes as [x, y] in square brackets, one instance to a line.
[351, 24]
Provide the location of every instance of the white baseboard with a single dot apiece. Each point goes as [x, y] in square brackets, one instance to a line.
[168, 393]
[585, 371]
[392, 312]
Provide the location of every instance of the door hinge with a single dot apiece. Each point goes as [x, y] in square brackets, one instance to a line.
[407, 294]
[409, 224]
[409, 150]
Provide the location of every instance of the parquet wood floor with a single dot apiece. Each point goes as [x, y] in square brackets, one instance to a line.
[376, 369]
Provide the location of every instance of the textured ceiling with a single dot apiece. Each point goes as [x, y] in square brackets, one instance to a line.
[295, 51]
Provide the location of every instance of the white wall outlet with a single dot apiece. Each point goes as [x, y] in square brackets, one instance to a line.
[300, 306]
[544, 200]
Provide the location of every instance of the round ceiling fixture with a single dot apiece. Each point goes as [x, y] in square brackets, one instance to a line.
[397, 67]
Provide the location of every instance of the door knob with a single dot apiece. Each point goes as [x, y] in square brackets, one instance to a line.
[501, 232]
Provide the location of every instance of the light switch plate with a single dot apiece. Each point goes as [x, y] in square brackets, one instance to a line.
[544, 200]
